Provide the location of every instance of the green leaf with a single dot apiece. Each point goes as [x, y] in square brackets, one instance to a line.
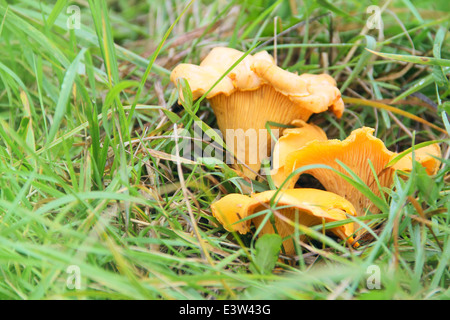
[57, 9]
[23, 127]
[187, 98]
[258, 20]
[105, 39]
[173, 117]
[339, 11]
[267, 249]
[414, 59]
[428, 188]
[210, 162]
[438, 71]
[417, 86]
[362, 62]
[66, 89]
[446, 122]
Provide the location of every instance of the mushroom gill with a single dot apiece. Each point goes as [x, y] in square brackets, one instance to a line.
[252, 94]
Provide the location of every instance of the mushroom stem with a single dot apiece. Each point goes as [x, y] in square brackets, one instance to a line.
[242, 118]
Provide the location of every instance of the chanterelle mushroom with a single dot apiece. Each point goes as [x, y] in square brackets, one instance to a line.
[254, 92]
[291, 140]
[307, 207]
[355, 152]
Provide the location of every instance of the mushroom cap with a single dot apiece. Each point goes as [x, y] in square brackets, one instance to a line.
[242, 77]
[308, 207]
[315, 93]
[426, 156]
[230, 210]
[355, 152]
[202, 77]
[291, 140]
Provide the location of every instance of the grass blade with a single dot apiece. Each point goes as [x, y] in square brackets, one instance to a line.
[66, 89]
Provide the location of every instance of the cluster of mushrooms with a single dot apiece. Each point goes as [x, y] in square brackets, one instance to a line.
[256, 91]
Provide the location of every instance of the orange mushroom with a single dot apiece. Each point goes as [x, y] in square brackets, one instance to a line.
[254, 92]
[426, 156]
[306, 207]
[355, 152]
[293, 139]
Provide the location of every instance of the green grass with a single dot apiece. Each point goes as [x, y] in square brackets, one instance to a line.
[86, 173]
